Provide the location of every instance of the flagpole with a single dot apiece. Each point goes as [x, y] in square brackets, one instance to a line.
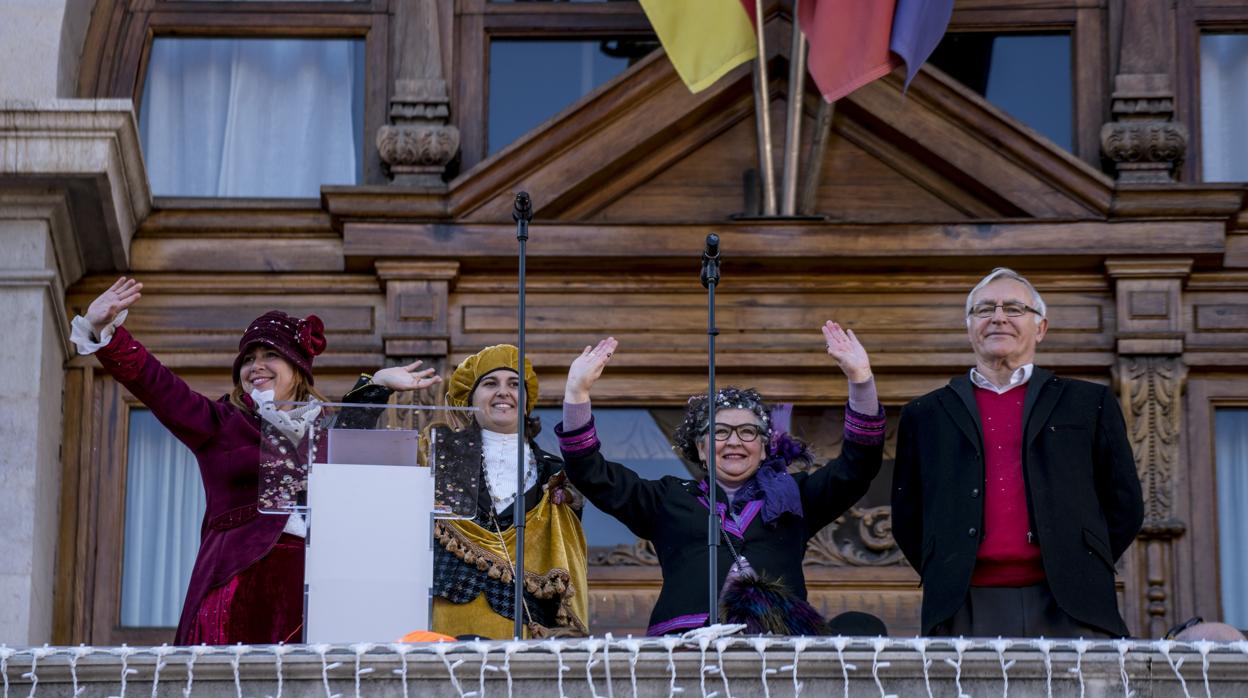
[814, 159]
[762, 116]
[793, 130]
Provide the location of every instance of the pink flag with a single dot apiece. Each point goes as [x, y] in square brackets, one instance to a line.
[849, 43]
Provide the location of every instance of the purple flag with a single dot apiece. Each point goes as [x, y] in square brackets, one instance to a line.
[918, 26]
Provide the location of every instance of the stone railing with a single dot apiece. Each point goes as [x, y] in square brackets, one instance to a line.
[698, 664]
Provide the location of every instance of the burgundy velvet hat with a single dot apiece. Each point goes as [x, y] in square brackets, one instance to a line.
[298, 340]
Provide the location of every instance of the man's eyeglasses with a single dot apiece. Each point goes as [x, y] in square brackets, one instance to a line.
[745, 432]
[1011, 309]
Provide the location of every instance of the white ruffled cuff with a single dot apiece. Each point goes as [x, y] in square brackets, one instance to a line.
[83, 336]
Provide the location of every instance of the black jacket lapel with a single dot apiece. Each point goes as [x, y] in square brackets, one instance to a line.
[964, 411]
[1043, 391]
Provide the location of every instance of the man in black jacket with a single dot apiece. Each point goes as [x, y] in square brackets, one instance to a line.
[1015, 491]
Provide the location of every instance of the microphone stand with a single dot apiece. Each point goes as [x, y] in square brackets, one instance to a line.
[710, 279]
[522, 213]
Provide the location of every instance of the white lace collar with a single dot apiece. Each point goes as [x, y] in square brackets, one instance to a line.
[498, 454]
[292, 423]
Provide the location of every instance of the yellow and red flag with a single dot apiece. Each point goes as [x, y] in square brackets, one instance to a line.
[704, 39]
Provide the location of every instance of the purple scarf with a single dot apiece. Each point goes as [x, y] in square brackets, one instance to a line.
[775, 486]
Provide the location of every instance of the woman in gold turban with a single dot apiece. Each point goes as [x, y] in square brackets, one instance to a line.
[473, 585]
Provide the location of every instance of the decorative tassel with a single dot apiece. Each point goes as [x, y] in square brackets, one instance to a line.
[766, 606]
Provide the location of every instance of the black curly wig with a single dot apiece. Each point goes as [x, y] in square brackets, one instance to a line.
[694, 427]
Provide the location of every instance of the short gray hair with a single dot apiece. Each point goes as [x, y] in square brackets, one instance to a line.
[1007, 273]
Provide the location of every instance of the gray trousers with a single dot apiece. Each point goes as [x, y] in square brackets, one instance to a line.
[1029, 611]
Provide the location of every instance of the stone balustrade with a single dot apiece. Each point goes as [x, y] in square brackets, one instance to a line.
[698, 664]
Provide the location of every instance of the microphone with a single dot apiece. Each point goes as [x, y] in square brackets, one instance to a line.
[711, 251]
[710, 261]
[523, 209]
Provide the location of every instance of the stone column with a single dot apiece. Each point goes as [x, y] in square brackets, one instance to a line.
[419, 141]
[74, 191]
[1143, 141]
[1150, 377]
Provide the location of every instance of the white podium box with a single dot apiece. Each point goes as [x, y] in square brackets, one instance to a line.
[359, 477]
[369, 565]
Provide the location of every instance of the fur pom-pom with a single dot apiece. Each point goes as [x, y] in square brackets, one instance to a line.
[765, 606]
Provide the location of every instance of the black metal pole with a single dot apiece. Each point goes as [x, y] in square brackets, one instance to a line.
[710, 279]
[522, 213]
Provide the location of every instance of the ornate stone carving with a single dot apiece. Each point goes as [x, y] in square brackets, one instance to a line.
[1143, 141]
[640, 554]
[417, 150]
[1145, 151]
[1151, 388]
[418, 143]
[858, 538]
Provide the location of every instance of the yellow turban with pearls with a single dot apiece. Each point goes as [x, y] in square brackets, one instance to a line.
[474, 368]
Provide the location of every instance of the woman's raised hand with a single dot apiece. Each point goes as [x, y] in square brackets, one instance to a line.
[121, 295]
[586, 369]
[409, 377]
[848, 352]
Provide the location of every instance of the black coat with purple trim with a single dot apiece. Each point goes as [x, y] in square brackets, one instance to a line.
[671, 513]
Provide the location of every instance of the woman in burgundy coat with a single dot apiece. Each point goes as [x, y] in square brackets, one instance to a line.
[247, 583]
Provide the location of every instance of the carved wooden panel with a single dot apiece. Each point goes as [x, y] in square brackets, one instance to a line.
[858, 184]
[1215, 319]
[416, 306]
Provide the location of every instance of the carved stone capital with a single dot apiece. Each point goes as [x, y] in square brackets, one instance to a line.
[417, 153]
[1145, 151]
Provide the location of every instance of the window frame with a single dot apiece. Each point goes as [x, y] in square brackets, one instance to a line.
[121, 36]
[1195, 18]
[478, 22]
[1200, 564]
[1087, 24]
[90, 554]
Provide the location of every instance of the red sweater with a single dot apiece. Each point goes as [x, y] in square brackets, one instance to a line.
[1006, 558]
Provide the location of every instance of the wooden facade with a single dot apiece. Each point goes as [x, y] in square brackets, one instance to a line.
[1145, 269]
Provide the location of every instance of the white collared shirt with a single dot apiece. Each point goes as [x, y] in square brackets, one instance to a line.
[1020, 376]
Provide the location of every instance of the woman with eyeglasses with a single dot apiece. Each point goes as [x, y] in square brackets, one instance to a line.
[766, 514]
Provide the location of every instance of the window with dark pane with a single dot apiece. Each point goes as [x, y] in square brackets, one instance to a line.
[1224, 107]
[531, 80]
[1026, 75]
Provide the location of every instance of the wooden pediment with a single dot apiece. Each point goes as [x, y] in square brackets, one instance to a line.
[642, 149]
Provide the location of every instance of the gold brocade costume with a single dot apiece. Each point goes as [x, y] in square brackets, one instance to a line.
[555, 568]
